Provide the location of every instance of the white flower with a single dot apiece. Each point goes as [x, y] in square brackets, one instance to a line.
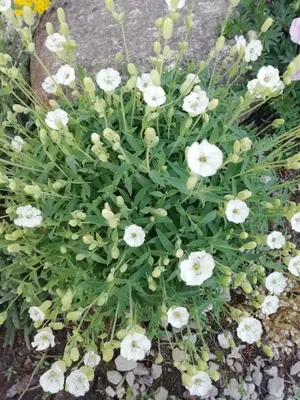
[50, 85]
[28, 216]
[95, 137]
[276, 240]
[108, 79]
[295, 222]
[249, 330]
[204, 159]
[143, 82]
[57, 119]
[268, 77]
[276, 283]
[77, 383]
[181, 4]
[253, 50]
[55, 42]
[135, 346]
[5, 5]
[134, 236]
[270, 305]
[195, 103]
[43, 339]
[178, 316]
[65, 75]
[154, 96]
[294, 266]
[197, 268]
[17, 143]
[201, 384]
[52, 381]
[237, 211]
[36, 314]
[91, 359]
[240, 42]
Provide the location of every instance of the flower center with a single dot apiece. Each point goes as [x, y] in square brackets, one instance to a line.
[133, 235]
[134, 344]
[203, 159]
[235, 211]
[198, 382]
[44, 337]
[196, 267]
[247, 328]
[177, 314]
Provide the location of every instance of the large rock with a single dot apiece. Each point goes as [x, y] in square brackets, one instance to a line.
[99, 38]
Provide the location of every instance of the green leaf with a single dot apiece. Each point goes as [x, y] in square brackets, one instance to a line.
[179, 184]
[156, 178]
[209, 217]
[165, 242]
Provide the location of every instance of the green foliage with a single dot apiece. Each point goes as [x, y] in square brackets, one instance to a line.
[279, 50]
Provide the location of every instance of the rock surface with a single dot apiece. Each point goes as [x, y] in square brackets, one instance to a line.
[99, 38]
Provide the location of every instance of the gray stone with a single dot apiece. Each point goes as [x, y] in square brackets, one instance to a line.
[276, 386]
[124, 365]
[295, 368]
[114, 377]
[273, 371]
[99, 38]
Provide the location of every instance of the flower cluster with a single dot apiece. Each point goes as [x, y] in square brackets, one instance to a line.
[152, 201]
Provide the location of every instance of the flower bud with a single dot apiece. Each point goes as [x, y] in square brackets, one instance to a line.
[115, 253]
[74, 354]
[286, 78]
[234, 3]
[244, 235]
[58, 185]
[89, 87]
[250, 246]
[246, 144]
[74, 316]
[49, 28]
[215, 376]
[155, 77]
[110, 5]
[220, 43]
[14, 248]
[268, 351]
[132, 69]
[168, 28]
[57, 326]
[237, 147]
[150, 137]
[266, 25]
[81, 215]
[179, 253]
[247, 288]
[213, 104]
[3, 317]
[291, 69]
[244, 195]
[278, 122]
[277, 203]
[191, 182]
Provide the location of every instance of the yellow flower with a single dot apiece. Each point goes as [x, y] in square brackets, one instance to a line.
[38, 6]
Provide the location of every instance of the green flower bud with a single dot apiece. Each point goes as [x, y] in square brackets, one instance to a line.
[268, 351]
[244, 195]
[14, 248]
[179, 253]
[115, 253]
[157, 48]
[132, 69]
[108, 354]
[220, 43]
[250, 245]
[205, 355]
[155, 77]
[74, 354]
[215, 376]
[57, 326]
[81, 215]
[247, 288]
[110, 5]
[66, 300]
[234, 3]
[213, 104]
[231, 343]
[266, 25]
[244, 235]
[67, 360]
[246, 144]
[286, 78]
[237, 147]
[74, 316]
[88, 371]
[151, 138]
[89, 87]
[168, 28]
